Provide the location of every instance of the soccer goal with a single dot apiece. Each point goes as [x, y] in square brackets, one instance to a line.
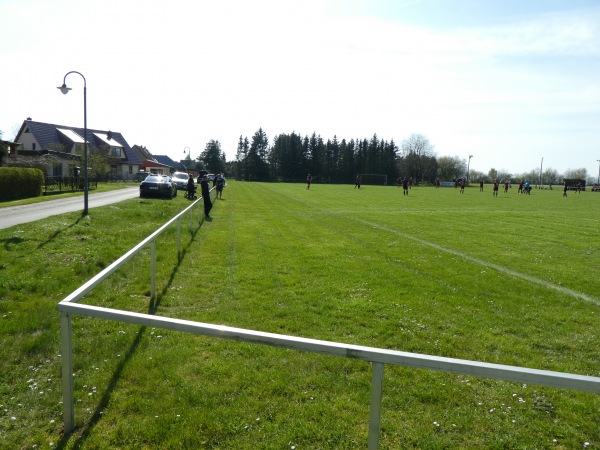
[373, 178]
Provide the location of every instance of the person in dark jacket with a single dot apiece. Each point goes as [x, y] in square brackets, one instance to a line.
[205, 187]
[191, 189]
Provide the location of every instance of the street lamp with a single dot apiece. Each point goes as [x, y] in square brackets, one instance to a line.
[468, 167]
[598, 160]
[65, 90]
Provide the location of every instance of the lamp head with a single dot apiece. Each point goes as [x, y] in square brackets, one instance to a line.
[64, 89]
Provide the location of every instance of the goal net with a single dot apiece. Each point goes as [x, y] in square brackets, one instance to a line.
[373, 178]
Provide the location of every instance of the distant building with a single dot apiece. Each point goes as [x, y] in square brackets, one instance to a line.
[66, 144]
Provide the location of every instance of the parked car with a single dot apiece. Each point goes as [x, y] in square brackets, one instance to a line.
[181, 180]
[595, 188]
[158, 186]
[140, 176]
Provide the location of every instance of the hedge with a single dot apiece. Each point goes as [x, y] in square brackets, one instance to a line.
[17, 183]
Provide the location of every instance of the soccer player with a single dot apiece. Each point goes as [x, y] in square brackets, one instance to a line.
[495, 193]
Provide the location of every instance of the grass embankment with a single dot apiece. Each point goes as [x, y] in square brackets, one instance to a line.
[510, 280]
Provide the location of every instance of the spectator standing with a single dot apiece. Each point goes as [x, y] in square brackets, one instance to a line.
[205, 187]
[481, 185]
[220, 183]
[191, 188]
[308, 181]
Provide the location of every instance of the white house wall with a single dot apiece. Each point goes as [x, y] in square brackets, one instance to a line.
[27, 140]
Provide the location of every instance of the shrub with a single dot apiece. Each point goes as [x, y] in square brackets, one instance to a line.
[17, 183]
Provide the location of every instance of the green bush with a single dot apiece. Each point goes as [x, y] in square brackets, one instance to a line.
[17, 183]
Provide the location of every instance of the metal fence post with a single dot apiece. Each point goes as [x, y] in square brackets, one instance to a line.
[66, 352]
[375, 410]
[152, 272]
[179, 238]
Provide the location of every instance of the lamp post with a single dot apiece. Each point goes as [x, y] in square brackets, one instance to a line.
[65, 90]
[189, 153]
[598, 160]
[468, 168]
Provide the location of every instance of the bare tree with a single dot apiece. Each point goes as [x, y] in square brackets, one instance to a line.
[417, 158]
[576, 173]
[504, 175]
[450, 167]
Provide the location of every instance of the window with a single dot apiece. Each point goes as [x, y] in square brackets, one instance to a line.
[130, 170]
[33, 146]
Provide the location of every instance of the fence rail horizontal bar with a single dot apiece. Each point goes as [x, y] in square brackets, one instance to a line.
[371, 354]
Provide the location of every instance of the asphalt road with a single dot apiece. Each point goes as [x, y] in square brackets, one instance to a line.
[15, 215]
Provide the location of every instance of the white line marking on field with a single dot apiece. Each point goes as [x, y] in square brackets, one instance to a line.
[498, 267]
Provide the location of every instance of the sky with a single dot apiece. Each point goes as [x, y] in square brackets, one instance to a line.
[514, 83]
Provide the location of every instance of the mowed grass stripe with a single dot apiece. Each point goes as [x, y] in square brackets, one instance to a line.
[494, 266]
[324, 247]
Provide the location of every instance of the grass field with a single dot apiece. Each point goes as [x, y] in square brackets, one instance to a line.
[510, 280]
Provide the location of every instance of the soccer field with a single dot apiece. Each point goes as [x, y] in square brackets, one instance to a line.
[509, 280]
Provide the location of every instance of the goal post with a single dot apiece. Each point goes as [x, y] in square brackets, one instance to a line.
[373, 178]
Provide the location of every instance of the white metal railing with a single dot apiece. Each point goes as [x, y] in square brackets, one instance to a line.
[377, 357]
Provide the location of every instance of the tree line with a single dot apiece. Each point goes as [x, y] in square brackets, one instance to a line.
[292, 156]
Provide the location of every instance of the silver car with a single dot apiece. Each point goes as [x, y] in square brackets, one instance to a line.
[181, 180]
